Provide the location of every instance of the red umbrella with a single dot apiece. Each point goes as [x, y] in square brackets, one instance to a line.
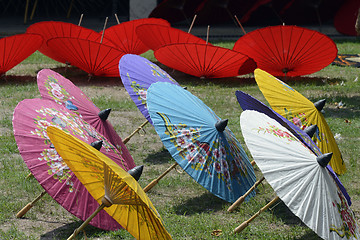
[30, 121]
[95, 58]
[125, 38]
[288, 50]
[16, 48]
[345, 18]
[204, 60]
[55, 87]
[155, 36]
[52, 29]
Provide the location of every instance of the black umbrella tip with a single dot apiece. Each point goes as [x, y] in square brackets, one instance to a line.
[320, 104]
[104, 114]
[136, 172]
[97, 144]
[324, 159]
[221, 125]
[311, 130]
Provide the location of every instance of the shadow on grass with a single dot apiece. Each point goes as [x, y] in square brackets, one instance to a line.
[209, 203]
[281, 211]
[65, 231]
[159, 157]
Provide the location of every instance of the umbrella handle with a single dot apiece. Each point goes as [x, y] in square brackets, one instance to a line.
[246, 223]
[84, 224]
[242, 198]
[154, 182]
[23, 211]
[133, 133]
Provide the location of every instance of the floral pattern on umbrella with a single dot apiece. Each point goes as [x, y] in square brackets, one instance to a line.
[189, 130]
[31, 119]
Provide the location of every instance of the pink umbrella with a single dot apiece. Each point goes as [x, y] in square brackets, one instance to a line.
[55, 87]
[30, 121]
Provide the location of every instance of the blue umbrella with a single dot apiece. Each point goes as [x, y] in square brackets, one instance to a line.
[247, 102]
[199, 141]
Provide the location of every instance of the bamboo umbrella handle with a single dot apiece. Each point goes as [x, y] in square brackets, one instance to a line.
[242, 198]
[84, 224]
[154, 182]
[133, 133]
[246, 223]
[23, 211]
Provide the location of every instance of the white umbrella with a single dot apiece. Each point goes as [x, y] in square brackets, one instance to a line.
[298, 177]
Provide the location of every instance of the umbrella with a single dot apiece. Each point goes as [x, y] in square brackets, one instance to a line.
[125, 37]
[30, 120]
[199, 141]
[155, 36]
[114, 189]
[287, 50]
[14, 49]
[351, 60]
[249, 103]
[55, 87]
[302, 112]
[93, 57]
[298, 177]
[204, 60]
[52, 29]
[345, 17]
[137, 74]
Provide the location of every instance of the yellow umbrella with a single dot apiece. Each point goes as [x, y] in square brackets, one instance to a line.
[302, 112]
[114, 189]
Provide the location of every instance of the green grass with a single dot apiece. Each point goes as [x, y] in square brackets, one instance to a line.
[187, 209]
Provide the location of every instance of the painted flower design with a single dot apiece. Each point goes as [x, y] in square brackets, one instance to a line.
[348, 227]
[58, 93]
[272, 129]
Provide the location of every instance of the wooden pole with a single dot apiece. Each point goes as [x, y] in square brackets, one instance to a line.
[207, 34]
[103, 32]
[76, 232]
[133, 133]
[23, 211]
[154, 182]
[192, 23]
[80, 20]
[117, 19]
[246, 223]
[242, 198]
[240, 24]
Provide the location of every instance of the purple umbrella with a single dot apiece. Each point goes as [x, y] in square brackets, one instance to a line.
[137, 74]
[247, 102]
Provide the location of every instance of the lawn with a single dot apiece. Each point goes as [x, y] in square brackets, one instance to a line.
[188, 210]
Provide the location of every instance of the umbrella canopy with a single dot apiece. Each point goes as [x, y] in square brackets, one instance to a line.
[204, 60]
[155, 36]
[298, 177]
[345, 18]
[53, 86]
[247, 102]
[199, 141]
[137, 74]
[93, 57]
[288, 50]
[125, 37]
[30, 120]
[14, 49]
[347, 60]
[52, 29]
[302, 112]
[110, 185]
